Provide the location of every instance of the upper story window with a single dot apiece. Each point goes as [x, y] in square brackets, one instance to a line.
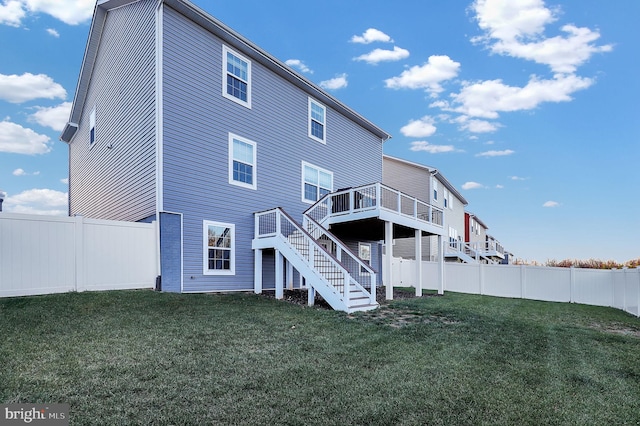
[316, 182]
[219, 250]
[236, 75]
[92, 126]
[317, 121]
[242, 162]
[445, 198]
[435, 190]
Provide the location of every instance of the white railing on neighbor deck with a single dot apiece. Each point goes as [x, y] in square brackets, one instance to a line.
[360, 270]
[372, 197]
[476, 250]
[276, 223]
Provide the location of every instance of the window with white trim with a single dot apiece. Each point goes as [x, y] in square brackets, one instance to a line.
[92, 126]
[236, 76]
[242, 162]
[445, 198]
[317, 121]
[364, 253]
[219, 248]
[435, 189]
[316, 182]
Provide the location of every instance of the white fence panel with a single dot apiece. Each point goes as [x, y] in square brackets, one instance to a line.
[430, 273]
[462, 277]
[502, 280]
[547, 284]
[48, 254]
[619, 289]
[593, 287]
[36, 256]
[632, 290]
[129, 245]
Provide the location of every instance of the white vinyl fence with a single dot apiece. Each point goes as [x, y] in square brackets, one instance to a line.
[48, 254]
[618, 288]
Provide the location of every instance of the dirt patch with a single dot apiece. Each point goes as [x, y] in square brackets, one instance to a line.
[615, 328]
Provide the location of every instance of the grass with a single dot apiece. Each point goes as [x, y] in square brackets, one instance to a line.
[139, 357]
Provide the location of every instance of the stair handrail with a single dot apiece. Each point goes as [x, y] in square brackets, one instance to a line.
[313, 245]
[316, 231]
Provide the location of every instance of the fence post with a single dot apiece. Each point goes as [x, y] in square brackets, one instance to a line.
[481, 272]
[523, 281]
[79, 278]
[572, 288]
[638, 282]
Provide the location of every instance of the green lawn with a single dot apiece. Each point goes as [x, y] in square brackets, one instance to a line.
[140, 357]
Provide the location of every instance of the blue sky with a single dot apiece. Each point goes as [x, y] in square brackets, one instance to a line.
[528, 107]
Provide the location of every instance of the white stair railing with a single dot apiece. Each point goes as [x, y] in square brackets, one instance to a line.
[276, 223]
[358, 269]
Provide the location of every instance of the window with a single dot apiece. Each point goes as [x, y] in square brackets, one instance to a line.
[317, 121]
[435, 189]
[236, 74]
[242, 162]
[92, 126]
[316, 182]
[219, 255]
[445, 198]
[364, 253]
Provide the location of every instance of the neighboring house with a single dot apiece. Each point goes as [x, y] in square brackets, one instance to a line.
[239, 159]
[479, 244]
[429, 183]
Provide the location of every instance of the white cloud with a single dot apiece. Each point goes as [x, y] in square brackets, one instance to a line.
[498, 186]
[336, 83]
[21, 172]
[517, 29]
[11, 13]
[297, 63]
[487, 98]
[472, 185]
[38, 201]
[65, 181]
[421, 128]
[53, 32]
[496, 153]
[551, 204]
[382, 55]
[26, 87]
[19, 140]
[53, 117]
[70, 12]
[370, 36]
[428, 76]
[432, 149]
[476, 126]
[517, 178]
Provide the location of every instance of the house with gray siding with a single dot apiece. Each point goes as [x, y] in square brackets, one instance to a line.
[256, 177]
[429, 183]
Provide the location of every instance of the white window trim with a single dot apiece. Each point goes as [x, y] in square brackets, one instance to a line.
[435, 189]
[324, 133]
[92, 126]
[226, 50]
[205, 249]
[253, 186]
[320, 169]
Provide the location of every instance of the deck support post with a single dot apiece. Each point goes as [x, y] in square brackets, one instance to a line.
[279, 277]
[440, 265]
[289, 275]
[257, 271]
[418, 284]
[388, 259]
[311, 296]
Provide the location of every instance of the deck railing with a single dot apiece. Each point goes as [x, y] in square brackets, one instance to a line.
[477, 250]
[374, 196]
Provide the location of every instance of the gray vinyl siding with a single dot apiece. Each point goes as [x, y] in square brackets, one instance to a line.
[119, 182]
[196, 127]
[409, 179]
